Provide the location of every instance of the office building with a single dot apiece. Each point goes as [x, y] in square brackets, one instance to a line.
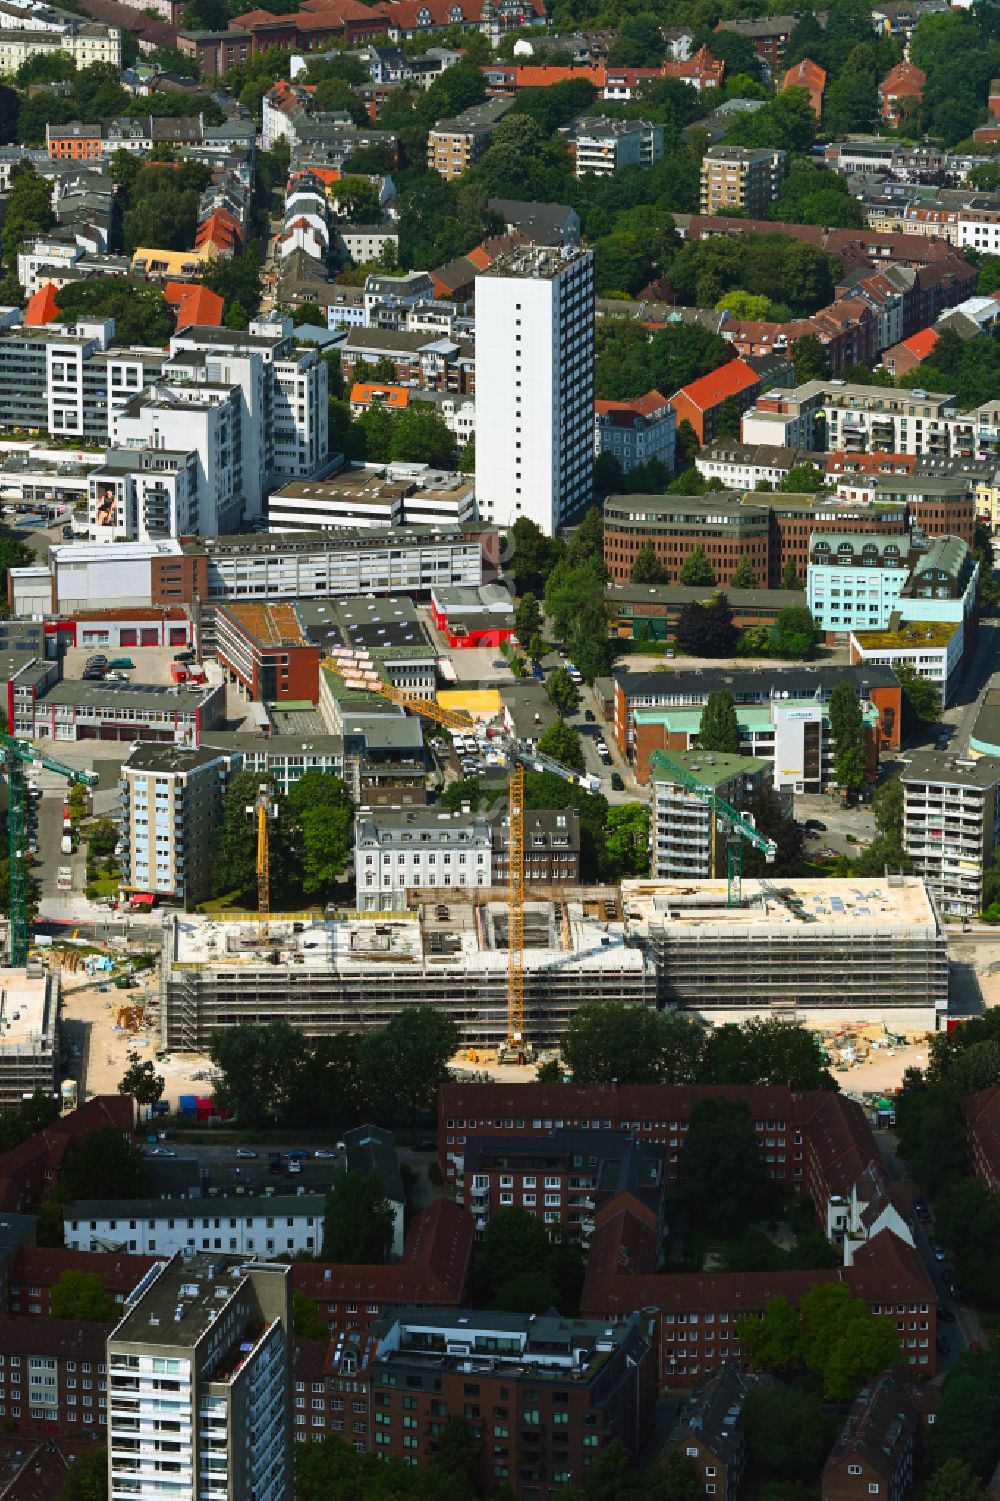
[855, 581]
[605, 147]
[933, 649]
[687, 837]
[29, 1034]
[634, 432]
[951, 825]
[743, 178]
[726, 528]
[567, 1388]
[200, 1383]
[172, 803]
[782, 948]
[235, 1225]
[535, 386]
[267, 650]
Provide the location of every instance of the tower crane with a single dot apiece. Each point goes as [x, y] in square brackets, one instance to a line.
[737, 826]
[260, 811]
[357, 671]
[17, 754]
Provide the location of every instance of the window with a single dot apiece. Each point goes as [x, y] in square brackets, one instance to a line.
[854, 1469]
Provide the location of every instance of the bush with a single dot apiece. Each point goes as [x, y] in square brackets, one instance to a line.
[90, 892]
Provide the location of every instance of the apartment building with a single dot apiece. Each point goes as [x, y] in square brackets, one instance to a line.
[551, 846]
[933, 649]
[171, 805]
[260, 1225]
[982, 1135]
[38, 30]
[143, 494]
[420, 358]
[710, 1430]
[687, 839]
[855, 581]
[545, 1396]
[741, 177]
[535, 386]
[34, 1272]
[636, 432]
[605, 147]
[200, 1372]
[53, 1380]
[951, 824]
[742, 466]
[700, 402]
[65, 380]
[876, 1452]
[563, 1179]
[768, 35]
[200, 419]
[457, 144]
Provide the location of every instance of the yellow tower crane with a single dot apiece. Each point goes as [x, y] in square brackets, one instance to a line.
[357, 671]
[260, 811]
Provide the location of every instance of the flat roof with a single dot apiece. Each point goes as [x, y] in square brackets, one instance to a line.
[25, 1011]
[200, 1284]
[909, 635]
[167, 758]
[267, 624]
[955, 771]
[711, 768]
[805, 907]
[125, 696]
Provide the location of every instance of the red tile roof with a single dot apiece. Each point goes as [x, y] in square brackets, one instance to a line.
[729, 380]
[922, 343]
[627, 411]
[42, 307]
[434, 1267]
[196, 305]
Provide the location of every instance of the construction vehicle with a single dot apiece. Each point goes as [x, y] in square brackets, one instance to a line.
[357, 669]
[737, 828]
[17, 754]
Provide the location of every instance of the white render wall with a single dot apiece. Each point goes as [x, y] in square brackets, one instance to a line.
[535, 389]
[257, 1226]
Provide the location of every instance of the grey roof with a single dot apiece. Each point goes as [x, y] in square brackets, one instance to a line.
[233, 1205]
[125, 696]
[685, 594]
[950, 770]
[544, 222]
[170, 758]
[712, 1414]
[371, 1150]
[754, 682]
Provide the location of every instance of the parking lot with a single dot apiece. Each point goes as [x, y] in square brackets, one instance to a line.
[152, 663]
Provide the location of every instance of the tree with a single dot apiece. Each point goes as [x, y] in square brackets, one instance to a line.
[720, 1172]
[847, 730]
[141, 1080]
[306, 1322]
[802, 479]
[729, 422]
[419, 436]
[788, 1432]
[80, 1296]
[28, 209]
[257, 1067]
[921, 698]
[647, 568]
[744, 576]
[607, 1040]
[513, 1240]
[323, 816]
[359, 1223]
[796, 634]
[764, 1050]
[809, 359]
[696, 569]
[87, 1478]
[832, 1334]
[457, 1454]
[719, 729]
[403, 1063]
[967, 1427]
[527, 617]
[954, 1481]
[562, 742]
[706, 630]
[626, 841]
[790, 576]
[563, 693]
[236, 856]
[102, 1165]
[530, 555]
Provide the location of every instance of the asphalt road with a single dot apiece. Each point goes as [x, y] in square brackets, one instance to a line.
[965, 1329]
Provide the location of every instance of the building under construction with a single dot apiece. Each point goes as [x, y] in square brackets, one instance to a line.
[29, 1034]
[819, 951]
[449, 950]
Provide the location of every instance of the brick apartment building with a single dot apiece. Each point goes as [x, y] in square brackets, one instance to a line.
[30, 1171]
[700, 402]
[876, 1451]
[815, 1142]
[35, 1270]
[53, 1379]
[267, 650]
[710, 1432]
[700, 1312]
[563, 1178]
[545, 1396]
[432, 1272]
[982, 1135]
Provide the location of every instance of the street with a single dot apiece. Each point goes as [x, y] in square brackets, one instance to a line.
[966, 1329]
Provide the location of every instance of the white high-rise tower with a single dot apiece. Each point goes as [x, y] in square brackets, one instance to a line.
[535, 386]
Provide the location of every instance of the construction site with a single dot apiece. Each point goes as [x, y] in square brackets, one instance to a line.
[449, 950]
[829, 953]
[29, 1034]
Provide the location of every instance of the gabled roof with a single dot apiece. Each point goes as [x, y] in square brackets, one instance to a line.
[922, 343]
[42, 307]
[195, 304]
[639, 406]
[434, 1267]
[710, 390]
[805, 74]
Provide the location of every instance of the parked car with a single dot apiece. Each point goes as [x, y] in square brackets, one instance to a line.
[186, 656]
[939, 1251]
[297, 1154]
[125, 662]
[817, 824]
[294, 1165]
[97, 660]
[93, 675]
[616, 782]
[247, 1152]
[324, 1154]
[499, 664]
[67, 533]
[589, 716]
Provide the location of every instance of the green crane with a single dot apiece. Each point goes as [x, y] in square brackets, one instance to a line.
[16, 755]
[737, 826]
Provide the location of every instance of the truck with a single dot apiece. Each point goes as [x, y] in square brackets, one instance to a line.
[64, 877]
[178, 672]
[68, 1094]
[67, 844]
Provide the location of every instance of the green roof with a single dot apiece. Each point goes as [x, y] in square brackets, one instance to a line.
[712, 768]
